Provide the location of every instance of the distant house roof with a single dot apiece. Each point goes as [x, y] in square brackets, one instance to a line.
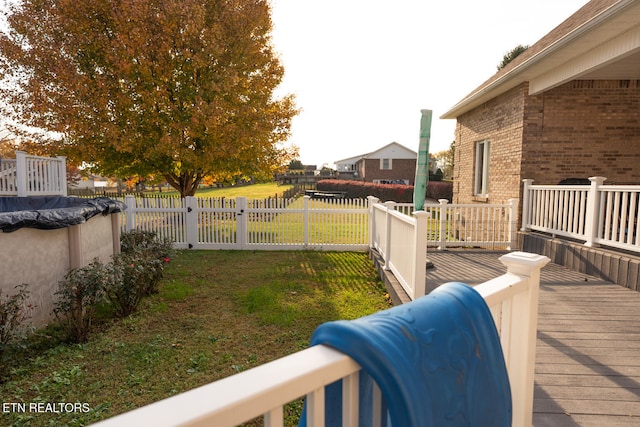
[600, 41]
[392, 150]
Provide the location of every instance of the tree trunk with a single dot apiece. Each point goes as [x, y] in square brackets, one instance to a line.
[186, 183]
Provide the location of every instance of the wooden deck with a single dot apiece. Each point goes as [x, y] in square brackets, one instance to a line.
[588, 348]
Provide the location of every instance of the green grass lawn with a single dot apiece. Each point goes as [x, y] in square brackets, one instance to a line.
[217, 313]
[253, 191]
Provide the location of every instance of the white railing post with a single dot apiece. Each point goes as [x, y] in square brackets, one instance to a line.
[130, 201]
[443, 223]
[242, 219]
[305, 219]
[513, 222]
[191, 220]
[420, 254]
[519, 345]
[525, 204]
[372, 221]
[21, 173]
[62, 173]
[387, 250]
[593, 208]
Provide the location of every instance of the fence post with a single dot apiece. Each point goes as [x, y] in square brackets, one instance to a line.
[420, 255]
[21, 173]
[521, 343]
[130, 214]
[191, 220]
[593, 209]
[525, 203]
[305, 217]
[242, 218]
[513, 222]
[443, 223]
[372, 223]
[387, 250]
[62, 174]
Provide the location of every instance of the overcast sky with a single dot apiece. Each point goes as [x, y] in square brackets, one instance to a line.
[362, 70]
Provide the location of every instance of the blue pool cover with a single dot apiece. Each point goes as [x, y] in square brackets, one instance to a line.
[51, 212]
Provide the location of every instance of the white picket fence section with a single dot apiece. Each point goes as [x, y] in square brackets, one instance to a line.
[264, 390]
[596, 214]
[28, 175]
[269, 224]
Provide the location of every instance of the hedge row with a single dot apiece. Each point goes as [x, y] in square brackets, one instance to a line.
[385, 192]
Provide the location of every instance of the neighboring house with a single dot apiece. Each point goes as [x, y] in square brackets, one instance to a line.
[566, 108]
[393, 163]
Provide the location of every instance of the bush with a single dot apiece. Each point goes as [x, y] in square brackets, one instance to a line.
[440, 190]
[14, 313]
[137, 270]
[386, 192]
[78, 296]
[149, 254]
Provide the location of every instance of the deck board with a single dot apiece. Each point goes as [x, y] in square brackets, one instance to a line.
[587, 364]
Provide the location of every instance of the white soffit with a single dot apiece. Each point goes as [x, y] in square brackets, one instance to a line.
[617, 58]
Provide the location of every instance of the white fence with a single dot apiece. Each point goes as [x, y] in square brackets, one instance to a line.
[270, 224]
[401, 240]
[264, 390]
[33, 176]
[217, 223]
[490, 226]
[596, 214]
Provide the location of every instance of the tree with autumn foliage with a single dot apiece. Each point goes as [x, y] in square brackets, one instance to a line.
[181, 88]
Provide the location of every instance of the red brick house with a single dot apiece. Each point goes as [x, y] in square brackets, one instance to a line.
[568, 107]
[393, 163]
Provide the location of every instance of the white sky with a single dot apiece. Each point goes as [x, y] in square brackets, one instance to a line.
[362, 70]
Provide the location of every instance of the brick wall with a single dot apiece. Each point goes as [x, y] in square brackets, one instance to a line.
[500, 122]
[401, 169]
[577, 130]
[582, 129]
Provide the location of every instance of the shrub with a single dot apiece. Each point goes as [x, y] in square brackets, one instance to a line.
[386, 192]
[149, 254]
[78, 296]
[14, 314]
[137, 270]
[440, 190]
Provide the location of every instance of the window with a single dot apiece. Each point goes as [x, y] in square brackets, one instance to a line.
[385, 164]
[481, 182]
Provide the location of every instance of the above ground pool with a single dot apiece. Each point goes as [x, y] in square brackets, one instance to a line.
[44, 237]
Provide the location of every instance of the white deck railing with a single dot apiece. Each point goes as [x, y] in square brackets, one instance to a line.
[596, 214]
[28, 175]
[401, 241]
[468, 225]
[264, 390]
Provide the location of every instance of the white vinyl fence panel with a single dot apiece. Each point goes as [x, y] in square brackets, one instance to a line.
[269, 224]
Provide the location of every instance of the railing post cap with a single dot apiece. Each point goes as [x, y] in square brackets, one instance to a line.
[521, 262]
[598, 179]
[422, 213]
[443, 201]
